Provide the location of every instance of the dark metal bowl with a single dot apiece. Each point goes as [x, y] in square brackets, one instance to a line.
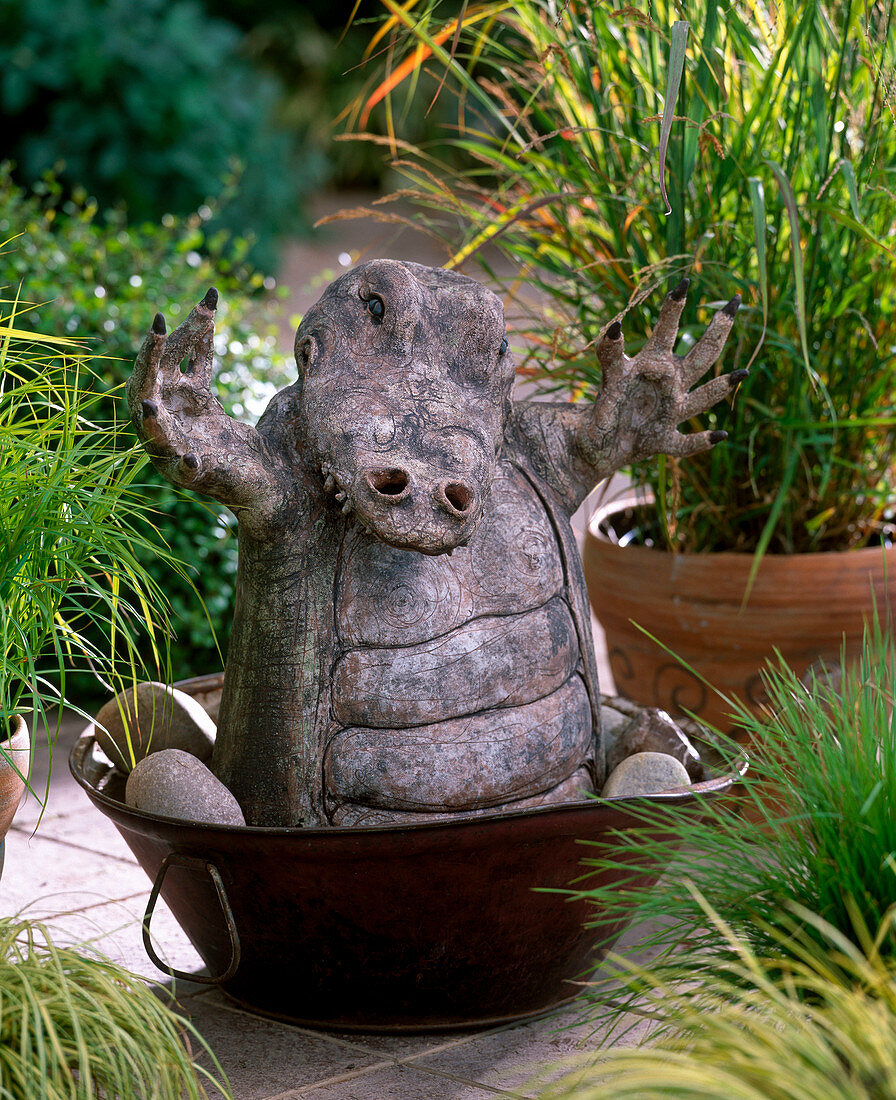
[391, 927]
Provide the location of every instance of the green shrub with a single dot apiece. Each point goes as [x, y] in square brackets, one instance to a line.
[324, 68]
[74, 532]
[314, 58]
[100, 278]
[149, 104]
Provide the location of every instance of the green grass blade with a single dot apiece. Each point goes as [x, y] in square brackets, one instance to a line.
[760, 229]
[772, 521]
[849, 176]
[796, 250]
[697, 106]
[677, 53]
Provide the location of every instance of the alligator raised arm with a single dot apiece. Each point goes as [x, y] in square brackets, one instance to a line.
[190, 439]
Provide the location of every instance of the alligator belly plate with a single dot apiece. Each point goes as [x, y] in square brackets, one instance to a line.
[495, 661]
[464, 763]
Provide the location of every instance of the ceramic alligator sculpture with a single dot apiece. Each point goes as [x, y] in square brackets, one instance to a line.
[411, 634]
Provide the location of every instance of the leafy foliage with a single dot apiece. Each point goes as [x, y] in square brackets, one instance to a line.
[73, 1025]
[99, 277]
[779, 171]
[811, 832]
[314, 56]
[152, 105]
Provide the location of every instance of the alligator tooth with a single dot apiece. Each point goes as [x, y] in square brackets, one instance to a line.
[340, 496]
[346, 508]
[329, 484]
[325, 468]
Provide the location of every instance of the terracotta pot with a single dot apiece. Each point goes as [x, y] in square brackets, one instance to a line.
[805, 606]
[16, 750]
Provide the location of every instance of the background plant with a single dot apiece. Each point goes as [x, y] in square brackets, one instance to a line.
[779, 172]
[314, 50]
[812, 830]
[79, 1026]
[101, 277]
[154, 105]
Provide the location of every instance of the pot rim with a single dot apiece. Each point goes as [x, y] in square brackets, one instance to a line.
[681, 796]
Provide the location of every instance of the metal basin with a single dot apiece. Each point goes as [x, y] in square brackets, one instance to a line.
[379, 928]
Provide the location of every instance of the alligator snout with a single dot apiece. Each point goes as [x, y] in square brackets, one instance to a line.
[393, 485]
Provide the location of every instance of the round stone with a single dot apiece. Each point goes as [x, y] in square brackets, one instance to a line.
[652, 730]
[158, 717]
[645, 773]
[176, 784]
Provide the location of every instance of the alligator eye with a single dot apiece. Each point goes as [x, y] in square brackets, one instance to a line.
[305, 352]
[375, 307]
[503, 346]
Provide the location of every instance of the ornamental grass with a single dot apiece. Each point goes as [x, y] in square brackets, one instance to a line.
[76, 1026]
[771, 130]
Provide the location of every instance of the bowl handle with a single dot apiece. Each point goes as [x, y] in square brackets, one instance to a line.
[194, 864]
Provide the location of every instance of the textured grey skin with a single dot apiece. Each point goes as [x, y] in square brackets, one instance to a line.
[411, 632]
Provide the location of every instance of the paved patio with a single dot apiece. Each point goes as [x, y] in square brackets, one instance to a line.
[76, 873]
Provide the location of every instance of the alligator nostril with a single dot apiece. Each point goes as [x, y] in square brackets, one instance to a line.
[458, 496]
[388, 482]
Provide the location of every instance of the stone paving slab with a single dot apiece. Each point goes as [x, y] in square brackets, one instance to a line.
[264, 1058]
[46, 877]
[392, 1047]
[115, 930]
[516, 1060]
[399, 1083]
[501, 1061]
[76, 827]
